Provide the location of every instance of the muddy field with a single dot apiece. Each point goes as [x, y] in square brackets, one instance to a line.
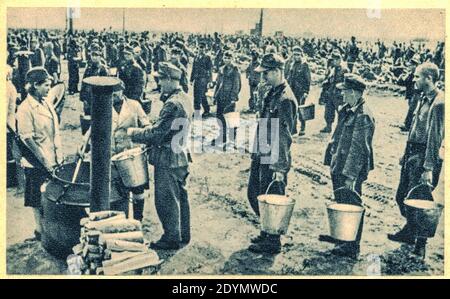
[223, 223]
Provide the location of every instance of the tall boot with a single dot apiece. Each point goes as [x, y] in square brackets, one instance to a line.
[138, 206]
[420, 248]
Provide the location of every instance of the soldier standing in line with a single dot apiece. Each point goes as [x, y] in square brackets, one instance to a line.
[350, 153]
[271, 158]
[407, 80]
[132, 76]
[299, 80]
[334, 99]
[421, 163]
[170, 162]
[226, 95]
[201, 75]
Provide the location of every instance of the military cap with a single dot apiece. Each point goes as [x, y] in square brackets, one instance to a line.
[415, 59]
[37, 75]
[296, 49]
[167, 69]
[128, 49]
[202, 44]
[352, 81]
[336, 54]
[269, 62]
[179, 44]
[176, 50]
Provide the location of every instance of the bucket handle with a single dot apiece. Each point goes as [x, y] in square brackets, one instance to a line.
[414, 188]
[271, 183]
[354, 191]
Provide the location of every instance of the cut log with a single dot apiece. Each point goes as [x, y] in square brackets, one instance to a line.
[116, 245]
[92, 225]
[95, 216]
[77, 249]
[138, 262]
[117, 226]
[84, 221]
[128, 236]
[117, 257]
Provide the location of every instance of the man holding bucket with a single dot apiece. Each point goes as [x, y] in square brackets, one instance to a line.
[421, 164]
[271, 157]
[226, 94]
[127, 114]
[169, 158]
[350, 154]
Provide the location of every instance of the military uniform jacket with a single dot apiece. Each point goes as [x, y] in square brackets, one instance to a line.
[335, 76]
[299, 78]
[350, 151]
[253, 77]
[228, 84]
[202, 68]
[159, 136]
[132, 76]
[280, 103]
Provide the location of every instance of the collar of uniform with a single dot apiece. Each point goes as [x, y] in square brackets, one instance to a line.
[353, 109]
[431, 95]
[166, 96]
[279, 88]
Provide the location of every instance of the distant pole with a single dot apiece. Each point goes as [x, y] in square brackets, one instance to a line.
[70, 17]
[123, 20]
[261, 22]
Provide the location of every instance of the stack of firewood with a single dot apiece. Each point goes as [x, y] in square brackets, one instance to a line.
[111, 244]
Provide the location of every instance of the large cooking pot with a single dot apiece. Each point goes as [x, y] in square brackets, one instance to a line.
[64, 204]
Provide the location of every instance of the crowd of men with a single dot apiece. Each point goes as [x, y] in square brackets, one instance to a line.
[279, 72]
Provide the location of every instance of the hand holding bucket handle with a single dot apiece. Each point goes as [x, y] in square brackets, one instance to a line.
[347, 195]
[421, 195]
[271, 183]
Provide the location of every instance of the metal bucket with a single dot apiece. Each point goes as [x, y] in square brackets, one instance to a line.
[132, 167]
[344, 220]
[306, 112]
[210, 97]
[63, 206]
[422, 212]
[275, 212]
[233, 119]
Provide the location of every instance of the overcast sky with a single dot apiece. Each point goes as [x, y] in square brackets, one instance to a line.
[393, 24]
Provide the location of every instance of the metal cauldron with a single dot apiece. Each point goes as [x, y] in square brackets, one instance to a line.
[63, 206]
[132, 167]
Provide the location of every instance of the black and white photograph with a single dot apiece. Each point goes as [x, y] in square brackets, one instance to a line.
[161, 141]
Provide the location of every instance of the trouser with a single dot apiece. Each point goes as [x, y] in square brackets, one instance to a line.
[331, 107]
[260, 179]
[252, 100]
[200, 88]
[300, 101]
[11, 170]
[222, 108]
[172, 205]
[339, 182]
[412, 104]
[74, 76]
[411, 172]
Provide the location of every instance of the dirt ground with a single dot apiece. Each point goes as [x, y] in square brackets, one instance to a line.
[223, 222]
